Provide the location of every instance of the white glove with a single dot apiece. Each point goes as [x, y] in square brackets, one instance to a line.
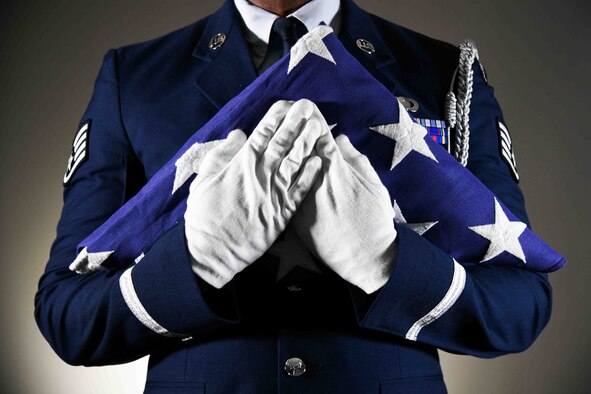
[347, 220]
[247, 191]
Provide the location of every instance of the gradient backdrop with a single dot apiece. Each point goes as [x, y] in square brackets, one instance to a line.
[537, 55]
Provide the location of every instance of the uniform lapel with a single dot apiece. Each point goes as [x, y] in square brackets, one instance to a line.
[358, 24]
[223, 73]
[226, 71]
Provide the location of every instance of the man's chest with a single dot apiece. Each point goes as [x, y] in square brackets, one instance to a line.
[160, 115]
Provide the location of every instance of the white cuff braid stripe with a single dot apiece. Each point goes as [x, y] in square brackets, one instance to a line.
[453, 293]
[136, 307]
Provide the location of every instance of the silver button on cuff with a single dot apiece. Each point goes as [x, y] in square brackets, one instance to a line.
[294, 367]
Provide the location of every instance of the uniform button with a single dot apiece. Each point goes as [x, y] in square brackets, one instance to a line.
[294, 367]
[409, 104]
[294, 287]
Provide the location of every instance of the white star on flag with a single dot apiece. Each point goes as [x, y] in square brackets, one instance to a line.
[419, 228]
[292, 252]
[310, 43]
[408, 135]
[502, 234]
[88, 262]
[189, 163]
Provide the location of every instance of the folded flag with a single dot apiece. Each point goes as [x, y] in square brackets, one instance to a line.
[470, 224]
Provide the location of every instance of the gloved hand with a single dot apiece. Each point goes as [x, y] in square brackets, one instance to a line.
[347, 220]
[247, 190]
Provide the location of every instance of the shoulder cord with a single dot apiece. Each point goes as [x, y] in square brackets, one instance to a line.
[457, 106]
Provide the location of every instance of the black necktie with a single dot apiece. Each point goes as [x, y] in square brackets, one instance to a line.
[286, 31]
[284, 34]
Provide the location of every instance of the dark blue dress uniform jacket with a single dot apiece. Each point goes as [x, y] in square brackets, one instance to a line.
[148, 99]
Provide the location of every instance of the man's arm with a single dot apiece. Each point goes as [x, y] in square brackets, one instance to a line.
[116, 316]
[470, 308]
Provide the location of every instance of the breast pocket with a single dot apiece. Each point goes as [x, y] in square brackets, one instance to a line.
[423, 385]
[156, 387]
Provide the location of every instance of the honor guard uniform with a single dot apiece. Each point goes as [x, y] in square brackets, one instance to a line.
[304, 329]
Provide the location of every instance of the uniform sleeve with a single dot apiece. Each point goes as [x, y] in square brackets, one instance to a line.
[108, 317]
[475, 309]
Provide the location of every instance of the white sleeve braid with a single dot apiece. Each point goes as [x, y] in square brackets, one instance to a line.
[453, 293]
[135, 305]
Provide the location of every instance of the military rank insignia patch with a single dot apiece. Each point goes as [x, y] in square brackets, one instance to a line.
[506, 148]
[79, 151]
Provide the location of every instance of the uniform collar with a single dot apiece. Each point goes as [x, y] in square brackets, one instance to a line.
[260, 21]
[224, 72]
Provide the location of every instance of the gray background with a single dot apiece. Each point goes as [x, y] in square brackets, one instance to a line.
[536, 54]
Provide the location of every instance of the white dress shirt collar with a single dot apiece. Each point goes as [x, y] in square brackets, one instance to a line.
[260, 21]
